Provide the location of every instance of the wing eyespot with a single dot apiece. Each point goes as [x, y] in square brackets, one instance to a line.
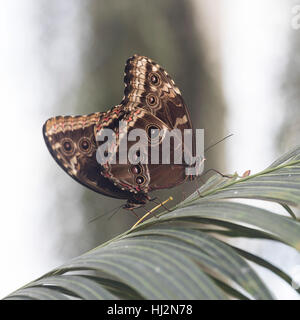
[85, 145]
[154, 78]
[152, 100]
[138, 157]
[153, 131]
[140, 180]
[136, 169]
[68, 146]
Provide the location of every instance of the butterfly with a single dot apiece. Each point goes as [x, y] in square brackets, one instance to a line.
[151, 101]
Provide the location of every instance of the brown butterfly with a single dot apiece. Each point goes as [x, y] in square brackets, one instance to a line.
[151, 101]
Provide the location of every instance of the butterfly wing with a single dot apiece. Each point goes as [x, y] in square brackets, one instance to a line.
[149, 86]
[71, 142]
[151, 99]
[144, 176]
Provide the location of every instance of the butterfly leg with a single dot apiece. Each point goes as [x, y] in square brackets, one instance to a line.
[197, 184]
[218, 172]
[132, 211]
[207, 171]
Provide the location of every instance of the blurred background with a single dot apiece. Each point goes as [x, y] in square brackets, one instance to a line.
[237, 64]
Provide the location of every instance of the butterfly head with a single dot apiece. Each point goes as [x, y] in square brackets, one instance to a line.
[136, 201]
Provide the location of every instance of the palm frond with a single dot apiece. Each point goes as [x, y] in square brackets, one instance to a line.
[185, 253]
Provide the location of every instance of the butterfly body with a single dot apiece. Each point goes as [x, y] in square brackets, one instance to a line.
[151, 101]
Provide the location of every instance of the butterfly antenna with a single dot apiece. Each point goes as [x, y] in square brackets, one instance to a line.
[223, 175]
[228, 136]
[113, 211]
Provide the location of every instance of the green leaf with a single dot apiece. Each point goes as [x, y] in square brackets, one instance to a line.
[78, 286]
[185, 254]
[289, 210]
[263, 263]
[284, 228]
[217, 258]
